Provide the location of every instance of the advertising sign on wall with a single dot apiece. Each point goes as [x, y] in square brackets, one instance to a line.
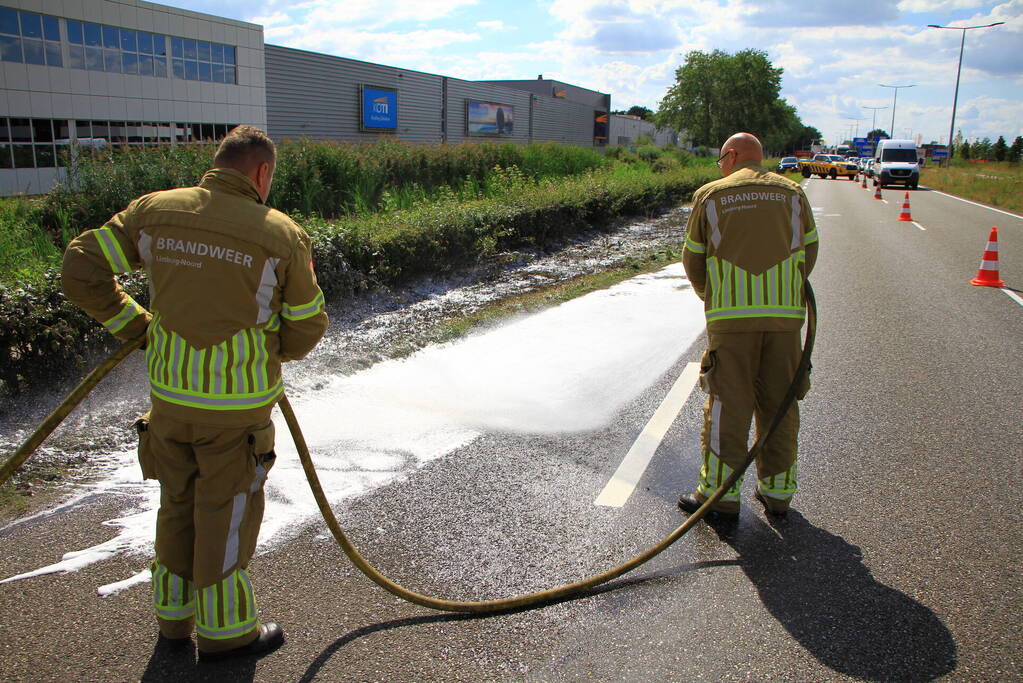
[379, 109]
[488, 118]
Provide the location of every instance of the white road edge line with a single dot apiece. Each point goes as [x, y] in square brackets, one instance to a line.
[944, 194]
[623, 481]
[1012, 295]
[918, 225]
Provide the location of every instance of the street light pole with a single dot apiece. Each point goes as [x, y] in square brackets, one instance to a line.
[873, 125]
[959, 70]
[894, 100]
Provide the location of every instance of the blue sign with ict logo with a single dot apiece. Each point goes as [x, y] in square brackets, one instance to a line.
[379, 109]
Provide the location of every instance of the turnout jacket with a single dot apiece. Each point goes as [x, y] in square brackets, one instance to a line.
[750, 243]
[232, 295]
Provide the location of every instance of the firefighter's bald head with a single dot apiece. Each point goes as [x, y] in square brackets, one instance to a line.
[739, 148]
[248, 150]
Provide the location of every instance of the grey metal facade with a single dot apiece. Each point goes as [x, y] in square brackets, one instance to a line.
[626, 130]
[317, 96]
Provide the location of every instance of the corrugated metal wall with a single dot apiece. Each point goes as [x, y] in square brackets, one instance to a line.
[562, 121]
[317, 96]
[459, 91]
[626, 129]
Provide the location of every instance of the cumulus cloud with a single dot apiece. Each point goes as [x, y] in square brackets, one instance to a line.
[782, 13]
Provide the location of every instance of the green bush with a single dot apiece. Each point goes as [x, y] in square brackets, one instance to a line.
[495, 207]
[649, 153]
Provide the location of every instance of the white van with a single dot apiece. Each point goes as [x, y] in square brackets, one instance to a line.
[895, 161]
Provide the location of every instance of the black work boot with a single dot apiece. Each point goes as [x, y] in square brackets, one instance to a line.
[271, 637]
[775, 508]
[690, 503]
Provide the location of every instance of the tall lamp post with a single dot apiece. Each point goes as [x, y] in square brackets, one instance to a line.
[873, 125]
[857, 120]
[894, 100]
[955, 97]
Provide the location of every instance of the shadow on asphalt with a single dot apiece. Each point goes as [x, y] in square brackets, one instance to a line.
[617, 584]
[815, 584]
[178, 664]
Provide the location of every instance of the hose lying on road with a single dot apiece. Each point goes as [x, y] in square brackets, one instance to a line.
[54, 419]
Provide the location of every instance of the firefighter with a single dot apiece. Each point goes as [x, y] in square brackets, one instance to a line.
[750, 243]
[232, 296]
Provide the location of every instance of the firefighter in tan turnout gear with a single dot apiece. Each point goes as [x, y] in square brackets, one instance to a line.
[750, 243]
[233, 295]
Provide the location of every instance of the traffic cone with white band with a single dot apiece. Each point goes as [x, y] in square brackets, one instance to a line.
[877, 189]
[863, 184]
[987, 276]
[904, 216]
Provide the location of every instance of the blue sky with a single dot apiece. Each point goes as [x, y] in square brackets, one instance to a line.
[834, 53]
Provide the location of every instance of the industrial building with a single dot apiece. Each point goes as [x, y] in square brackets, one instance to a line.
[109, 73]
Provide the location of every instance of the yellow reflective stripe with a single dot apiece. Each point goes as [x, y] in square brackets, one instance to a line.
[780, 486]
[695, 247]
[112, 250]
[212, 401]
[173, 596]
[713, 474]
[129, 312]
[754, 312]
[227, 609]
[303, 311]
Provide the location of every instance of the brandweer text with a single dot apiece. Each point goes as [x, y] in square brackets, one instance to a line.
[202, 249]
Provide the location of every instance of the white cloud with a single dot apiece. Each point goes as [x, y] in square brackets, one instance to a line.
[920, 6]
[496, 25]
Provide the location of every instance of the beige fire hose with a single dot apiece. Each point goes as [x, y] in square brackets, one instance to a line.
[518, 602]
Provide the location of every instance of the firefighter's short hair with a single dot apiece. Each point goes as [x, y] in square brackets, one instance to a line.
[244, 148]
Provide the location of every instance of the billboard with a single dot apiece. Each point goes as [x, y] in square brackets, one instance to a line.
[488, 118]
[379, 109]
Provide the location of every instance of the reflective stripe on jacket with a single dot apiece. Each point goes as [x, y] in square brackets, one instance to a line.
[750, 242]
[232, 290]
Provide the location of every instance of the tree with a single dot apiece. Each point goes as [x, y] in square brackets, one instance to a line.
[877, 133]
[1016, 151]
[717, 94]
[981, 149]
[964, 150]
[1000, 148]
[641, 112]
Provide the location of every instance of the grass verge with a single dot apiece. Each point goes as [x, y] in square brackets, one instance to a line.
[545, 297]
[997, 184]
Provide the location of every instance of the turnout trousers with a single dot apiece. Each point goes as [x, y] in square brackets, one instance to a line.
[211, 507]
[746, 375]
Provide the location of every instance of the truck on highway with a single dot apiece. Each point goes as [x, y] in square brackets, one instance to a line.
[897, 162]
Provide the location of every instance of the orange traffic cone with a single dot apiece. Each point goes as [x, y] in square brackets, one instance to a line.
[864, 183]
[904, 216]
[877, 189]
[987, 276]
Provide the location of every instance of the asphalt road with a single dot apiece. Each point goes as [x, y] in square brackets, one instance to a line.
[900, 561]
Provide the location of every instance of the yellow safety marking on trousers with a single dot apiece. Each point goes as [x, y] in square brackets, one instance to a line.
[623, 481]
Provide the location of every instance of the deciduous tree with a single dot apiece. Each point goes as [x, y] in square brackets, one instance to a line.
[717, 94]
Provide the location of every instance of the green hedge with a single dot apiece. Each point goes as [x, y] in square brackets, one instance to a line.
[45, 335]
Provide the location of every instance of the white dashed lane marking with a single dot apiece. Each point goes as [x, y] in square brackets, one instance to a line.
[628, 474]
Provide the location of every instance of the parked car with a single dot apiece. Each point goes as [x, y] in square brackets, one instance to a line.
[788, 164]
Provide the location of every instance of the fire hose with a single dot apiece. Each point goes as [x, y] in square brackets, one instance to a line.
[483, 606]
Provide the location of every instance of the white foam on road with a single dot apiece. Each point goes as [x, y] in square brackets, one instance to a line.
[567, 369]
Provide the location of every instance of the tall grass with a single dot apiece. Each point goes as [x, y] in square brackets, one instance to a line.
[996, 183]
[25, 248]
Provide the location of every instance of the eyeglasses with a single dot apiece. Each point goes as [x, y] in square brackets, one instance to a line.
[722, 157]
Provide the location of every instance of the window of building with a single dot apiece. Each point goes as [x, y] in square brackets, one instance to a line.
[29, 143]
[29, 37]
[199, 60]
[96, 47]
